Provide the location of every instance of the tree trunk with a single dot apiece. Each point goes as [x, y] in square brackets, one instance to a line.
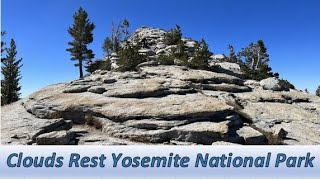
[252, 64]
[80, 69]
[258, 61]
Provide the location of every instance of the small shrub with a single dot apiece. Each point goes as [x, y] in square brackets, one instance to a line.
[99, 64]
[166, 59]
[91, 121]
[201, 56]
[105, 65]
[180, 53]
[286, 84]
[264, 72]
[130, 58]
[173, 36]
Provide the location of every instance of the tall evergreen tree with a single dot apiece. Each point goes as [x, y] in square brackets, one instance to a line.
[263, 56]
[255, 61]
[10, 70]
[232, 55]
[201, 56]
[2, 45]
[107, 46]
[81, 31]
[119, 34]
[173, 37]
[125, 29]
[255, 55]
[318, 91]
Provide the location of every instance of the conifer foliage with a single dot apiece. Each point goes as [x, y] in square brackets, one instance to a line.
[201, 56]
[81, 32]
[255, 61]
[10, 70]
[232, 55]
[119, 35]
[318, 91]
[174, 36]
[130, 58]
[2, 45]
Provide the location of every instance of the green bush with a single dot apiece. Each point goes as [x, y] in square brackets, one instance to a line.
[99, 64]
[130, 58]
[166, 59]
[180, 53]
[201, 56]
[173, 36]
[257, 74]
[105, 65]
[286, 84]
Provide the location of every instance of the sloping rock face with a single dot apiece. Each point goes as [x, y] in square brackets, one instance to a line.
[159, 104]
[162, 105]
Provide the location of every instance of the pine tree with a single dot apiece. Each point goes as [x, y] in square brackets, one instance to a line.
[318, 91]
[263, 57]
[81, 31]
[180, 52]
[130, 58]
[173, 37]
[119, 34]
[125, 29]
[201, 56]
[255, 55]
[10, 70]
[101, 64]
[107, 46]
[232, 55]
[2, 45]
[116, 37]
[255, 61]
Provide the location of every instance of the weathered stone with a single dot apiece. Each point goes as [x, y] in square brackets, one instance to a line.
[97, 89]
[77, 89]
[109, 80]
[147, 52]
[234, 67]
[251, 136]
[202, 132]
[181, 143]
[148, 63]
[226, 87]
[271, 84]
[20, 127]
[55, 138]
[185, 74]
[218, 57]
[224, 143]
[251, 83]
[138, 88]
[153, 124]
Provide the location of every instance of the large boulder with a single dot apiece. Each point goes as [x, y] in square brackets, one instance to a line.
[271, 83]
[233, 67]
[218, 57]
[252, 136]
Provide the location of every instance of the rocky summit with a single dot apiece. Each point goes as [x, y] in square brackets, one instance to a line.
[164, 104]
